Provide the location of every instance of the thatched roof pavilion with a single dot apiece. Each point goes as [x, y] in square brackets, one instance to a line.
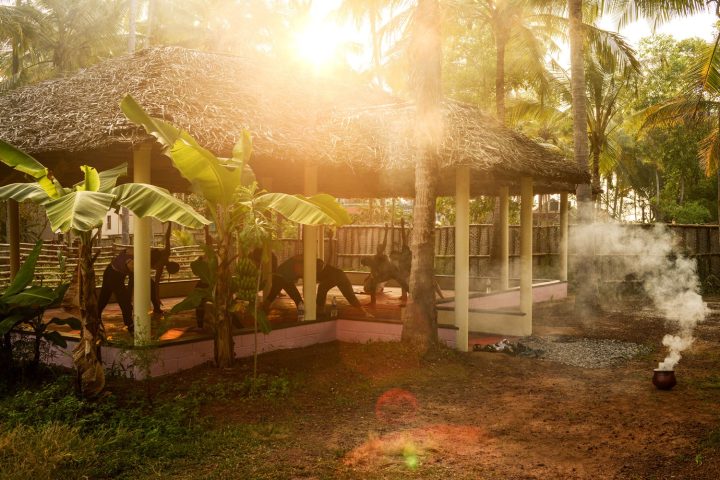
[360, 139]
[309, 135]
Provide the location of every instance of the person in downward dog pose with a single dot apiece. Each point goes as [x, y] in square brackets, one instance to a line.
[328, 276]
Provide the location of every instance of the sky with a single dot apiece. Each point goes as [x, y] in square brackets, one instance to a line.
[700, 25]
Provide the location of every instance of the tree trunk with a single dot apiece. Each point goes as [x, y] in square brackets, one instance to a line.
[500, 43]
[579, 108]
[224, 345]
[587, 298]
[86, 356]
[420, 316]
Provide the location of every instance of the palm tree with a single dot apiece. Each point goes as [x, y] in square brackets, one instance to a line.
[372, 10]
[420, 318]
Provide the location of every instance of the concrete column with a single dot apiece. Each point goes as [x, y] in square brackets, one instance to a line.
[310, 237]
[321, 243]
[563, 250]
[13, 229]
[504, 238]
[462, 256]
[142, 241]
[526, 260]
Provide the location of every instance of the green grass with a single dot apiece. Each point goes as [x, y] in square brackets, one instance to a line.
[48, 432]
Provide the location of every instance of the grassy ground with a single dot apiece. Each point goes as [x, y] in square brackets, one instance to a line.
[377, 411]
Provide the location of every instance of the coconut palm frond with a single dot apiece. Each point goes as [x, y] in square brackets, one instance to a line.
[704, 74]
[610, 46]
[709, 151]
[629, 11]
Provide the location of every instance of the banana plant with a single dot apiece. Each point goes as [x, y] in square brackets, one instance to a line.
[24, 303]
[218, 180]
[82, 209]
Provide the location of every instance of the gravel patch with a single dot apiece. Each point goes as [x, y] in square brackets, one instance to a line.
[584, 352]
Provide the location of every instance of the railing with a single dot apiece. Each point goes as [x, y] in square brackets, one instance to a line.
[351, 243]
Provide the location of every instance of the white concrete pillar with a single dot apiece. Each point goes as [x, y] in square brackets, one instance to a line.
[321, 243]
[526, 250]
[504, 238]
[563, 250]
[142, 241]
[310, 237]
[462, 256]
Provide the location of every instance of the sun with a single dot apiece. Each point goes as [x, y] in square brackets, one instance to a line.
[318, 43]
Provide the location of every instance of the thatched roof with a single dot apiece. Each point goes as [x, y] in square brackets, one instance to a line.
[361, 139]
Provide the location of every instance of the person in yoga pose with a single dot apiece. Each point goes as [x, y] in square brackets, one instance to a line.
[382, 269]
[328, 276]
[121, 267]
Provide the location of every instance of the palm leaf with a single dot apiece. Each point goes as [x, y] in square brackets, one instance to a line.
[150, 201]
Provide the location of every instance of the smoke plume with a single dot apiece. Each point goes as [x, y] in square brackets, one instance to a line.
[651, 256]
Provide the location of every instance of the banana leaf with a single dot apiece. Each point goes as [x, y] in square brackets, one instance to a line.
[150, 201]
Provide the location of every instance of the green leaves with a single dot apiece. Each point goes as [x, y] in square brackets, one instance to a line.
[150, 201]
[34, 296]
[21, 161]
[319, 209]
[199, 166]
[91, 183]
[108, 178]
[25, 275]
[21, 192]
[79, 210]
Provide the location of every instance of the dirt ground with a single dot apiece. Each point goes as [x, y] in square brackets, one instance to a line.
[376, 411]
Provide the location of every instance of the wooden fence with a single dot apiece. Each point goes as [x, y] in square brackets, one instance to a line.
[351, 243]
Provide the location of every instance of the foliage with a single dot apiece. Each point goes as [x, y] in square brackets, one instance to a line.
[82, 209]
[49, 432]
[23, 303]
[241, 214]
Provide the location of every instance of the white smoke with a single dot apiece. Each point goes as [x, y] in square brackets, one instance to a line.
[669, 278]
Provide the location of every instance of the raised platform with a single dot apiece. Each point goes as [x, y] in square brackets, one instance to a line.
[499, 313]
[167, 357]
[179, 344]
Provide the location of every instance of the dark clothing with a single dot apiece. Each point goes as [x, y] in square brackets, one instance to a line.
[382, 270]
[328, 277]
[114, 283]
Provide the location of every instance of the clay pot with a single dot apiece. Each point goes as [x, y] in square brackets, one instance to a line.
[664, 379]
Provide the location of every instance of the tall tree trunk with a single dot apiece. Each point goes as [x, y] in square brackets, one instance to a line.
[579, 108]
[86, 356]
[587, 297]
[420, 316]
[132, 30]
[376, 47]
[151, 19]
[500, 44]
[495, 247]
